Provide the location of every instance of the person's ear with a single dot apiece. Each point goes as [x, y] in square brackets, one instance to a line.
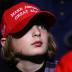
[3, 41]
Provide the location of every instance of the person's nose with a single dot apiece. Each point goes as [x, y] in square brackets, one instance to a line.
[36, 32]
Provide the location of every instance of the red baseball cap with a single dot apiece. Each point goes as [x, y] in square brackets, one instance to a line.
[17, 17]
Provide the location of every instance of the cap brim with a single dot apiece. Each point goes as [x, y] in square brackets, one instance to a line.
[48, 18]
[45, 17]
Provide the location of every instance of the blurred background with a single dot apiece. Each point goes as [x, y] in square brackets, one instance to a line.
[62, 31]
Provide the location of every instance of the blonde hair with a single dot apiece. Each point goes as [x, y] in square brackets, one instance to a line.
[8, 53]
[51, 45]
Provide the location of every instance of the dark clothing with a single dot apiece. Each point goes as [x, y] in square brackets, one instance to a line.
[7, 68]
[11, 67]
[14, 69]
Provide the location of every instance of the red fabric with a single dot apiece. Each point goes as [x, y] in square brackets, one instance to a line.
[65, 64]
[17, 17]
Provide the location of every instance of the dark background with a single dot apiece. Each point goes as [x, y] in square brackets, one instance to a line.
[62, 30]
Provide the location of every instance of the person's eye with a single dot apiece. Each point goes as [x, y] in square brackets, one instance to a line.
[42, 27]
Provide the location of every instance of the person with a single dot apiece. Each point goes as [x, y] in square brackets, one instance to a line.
[26, 40]
[65, 61]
